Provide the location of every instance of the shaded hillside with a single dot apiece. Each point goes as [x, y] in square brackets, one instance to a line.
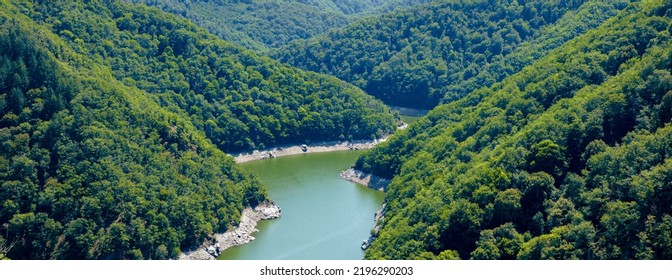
[242, 101]
[439, 52]
[567, 159]
[113, 117]
[264, 24]
[94, 169]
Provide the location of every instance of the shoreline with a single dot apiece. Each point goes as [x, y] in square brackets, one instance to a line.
[374, 182]
[241, 234]
[378, 217]
[320, 147]
[366, 179]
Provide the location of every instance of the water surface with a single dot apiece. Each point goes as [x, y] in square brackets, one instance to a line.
[410, 115]
[323, 216]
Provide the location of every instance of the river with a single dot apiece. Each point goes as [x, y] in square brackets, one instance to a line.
[410, 115]
[323, 216]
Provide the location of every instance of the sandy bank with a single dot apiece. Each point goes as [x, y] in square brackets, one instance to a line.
[242, 234]
[312, 148]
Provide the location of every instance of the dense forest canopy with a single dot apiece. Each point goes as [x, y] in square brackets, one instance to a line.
[549, 137]
[92, 169]
[114, 122]
[263, 24]
[240, 100]
[439, 52]
[567, 159]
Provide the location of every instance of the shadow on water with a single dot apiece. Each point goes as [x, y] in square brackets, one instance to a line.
[409, 115]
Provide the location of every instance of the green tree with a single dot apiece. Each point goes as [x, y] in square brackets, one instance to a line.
[507, 206]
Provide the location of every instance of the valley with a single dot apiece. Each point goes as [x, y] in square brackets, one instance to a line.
[147, 129]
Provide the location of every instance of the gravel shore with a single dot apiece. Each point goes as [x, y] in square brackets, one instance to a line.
[319, 147]
[376, 183]
[366, 179]
[309, 148]
[240, 235]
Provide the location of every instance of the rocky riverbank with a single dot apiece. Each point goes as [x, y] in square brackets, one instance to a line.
[330, 146]
[373, 182]
[366, 179]
[242, 234]
[377, 223]
[307, 148]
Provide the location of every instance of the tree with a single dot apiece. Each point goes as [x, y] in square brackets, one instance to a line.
[507, 206]
[549, 157]
[486, 247]
[461, 228]
[620, 224]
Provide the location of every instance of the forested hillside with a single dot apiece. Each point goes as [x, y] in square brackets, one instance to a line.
[263, 24]
[114, 118]
[567, 159]
[439, 52]
[554, 139]
[91, 169]
[241, 100]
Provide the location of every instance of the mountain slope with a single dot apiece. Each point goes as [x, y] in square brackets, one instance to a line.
[567, 159]
[241, 100]
[111, 128]
[264, 24]
[94, 169]
[439, 52]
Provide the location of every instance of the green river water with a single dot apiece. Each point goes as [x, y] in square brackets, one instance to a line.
[323, 216]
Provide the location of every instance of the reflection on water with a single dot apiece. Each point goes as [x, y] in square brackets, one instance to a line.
[410, 115]
[410, 111]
